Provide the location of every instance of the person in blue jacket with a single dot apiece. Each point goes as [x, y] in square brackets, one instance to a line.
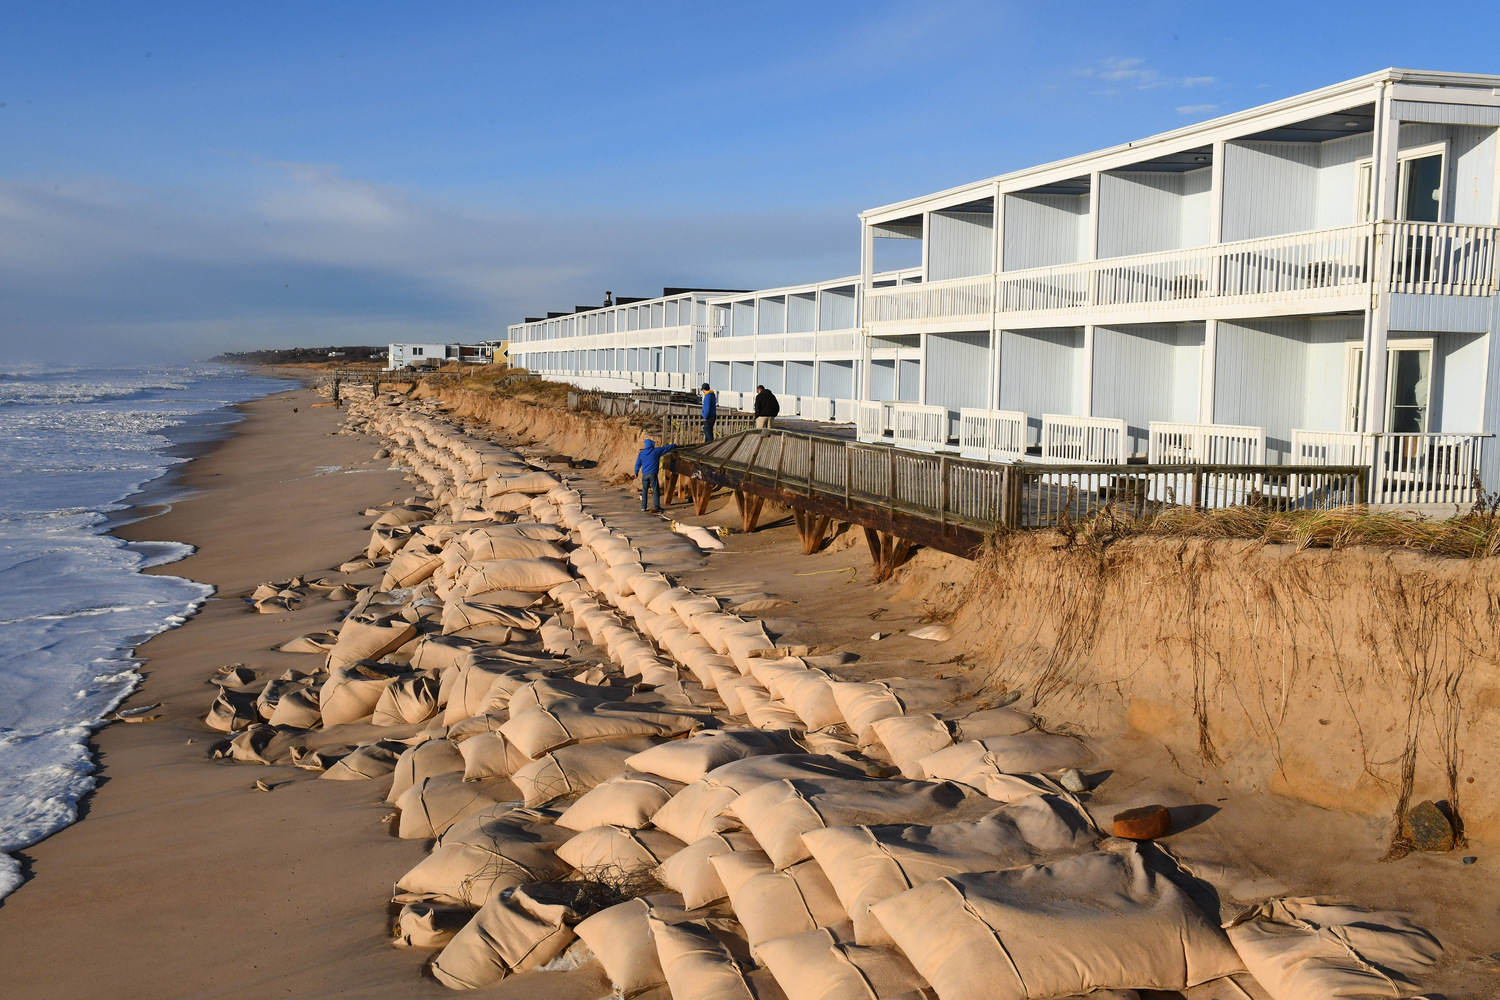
[647, 465]
[710, 412]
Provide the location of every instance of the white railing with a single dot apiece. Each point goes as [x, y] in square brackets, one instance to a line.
[1434, 259]
[1417, 469]
[1099, 440]
[788, 404]
[921, 428]
[870, 420]
[956, 298]
[817, 408]
[991, 435]
[1205, 444]
[731, 347]
[845, 411]
[838, 341]
[1408, 470]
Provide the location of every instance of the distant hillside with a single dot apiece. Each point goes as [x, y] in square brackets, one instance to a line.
[304, 355]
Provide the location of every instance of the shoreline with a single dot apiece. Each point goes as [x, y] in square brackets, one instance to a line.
[185, 880]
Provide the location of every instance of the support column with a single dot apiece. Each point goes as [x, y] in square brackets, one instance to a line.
[1209, 371]
[1087, 388]
[1378, 316]
[997, 259]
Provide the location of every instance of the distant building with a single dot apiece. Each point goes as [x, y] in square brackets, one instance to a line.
[431, 355]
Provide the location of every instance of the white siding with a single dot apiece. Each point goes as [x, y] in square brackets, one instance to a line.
[836, 379]
[1471, 168]
[801, 313]
[1145, 373]
[1150, 212]
[1269, 188]
[960, 244]
[1045, 229]
[837, 309]
[799, 378]
[957, 372]
[772, 315]
[1041, 372]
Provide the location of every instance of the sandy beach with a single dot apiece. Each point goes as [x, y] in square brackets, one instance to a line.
[183, 880]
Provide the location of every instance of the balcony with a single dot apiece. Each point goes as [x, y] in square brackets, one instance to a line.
[1326, 269]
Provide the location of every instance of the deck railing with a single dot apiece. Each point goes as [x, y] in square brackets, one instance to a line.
[1181, 443]
[991, 435]
[955, 298]
[1084, 439]
[990, 496]
[871, 420]
[922, 428]
[1407, 470]
[1434, 259]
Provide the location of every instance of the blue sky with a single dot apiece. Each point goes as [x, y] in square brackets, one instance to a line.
[180, 179]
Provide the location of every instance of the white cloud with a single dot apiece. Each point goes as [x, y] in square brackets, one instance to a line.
[1132, 73]
[1197, 109]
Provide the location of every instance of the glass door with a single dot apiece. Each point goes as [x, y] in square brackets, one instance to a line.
[1409, 372]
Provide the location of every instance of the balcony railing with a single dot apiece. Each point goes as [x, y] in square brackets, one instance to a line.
[1084, 439]
[1406, 470]
[1426, 258]
[992, 435]
[1212, 444]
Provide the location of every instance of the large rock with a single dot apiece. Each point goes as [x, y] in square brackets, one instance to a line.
[1430, 828]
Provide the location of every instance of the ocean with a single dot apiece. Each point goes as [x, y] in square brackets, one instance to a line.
[79, 447]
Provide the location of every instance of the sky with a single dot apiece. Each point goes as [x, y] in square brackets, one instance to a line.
[181, 179]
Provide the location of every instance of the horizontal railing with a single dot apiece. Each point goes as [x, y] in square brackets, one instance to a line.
[921, 428]
[1084, 439]
[1434, 259]
[956, 298]
[992, 435]
[991, 496]
[1406, 470]
[1182, 443]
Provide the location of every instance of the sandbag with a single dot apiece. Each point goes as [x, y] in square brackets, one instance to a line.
[493, 546]
[1098, 921]
[772, 904]
[297, 709]
[696, 963]
[471, 866]
[316, 642]
[230, 713]
[406, 701]
[373, 760]
[908, 738]
[504, 937]
[420, 762]
[461, 617]
[529, 575]
[972, 761]
[867, 864]
[368, 639]
[815, 965]
[620, 936]
[863, 705]
[617, 849]
[690, 872]
[352, 691]
[437, 802]
[699, 809]
[531, 483]
[538, 730]
[490, 755]
[779, 812]
[629, 800]
[575, 769]
[1305, 948]
[429, 925]
[690, 759]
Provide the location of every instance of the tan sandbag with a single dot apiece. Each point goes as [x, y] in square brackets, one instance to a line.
[662, 603]
[620, 936]
[770, 904]
[277, 688]
[404, 514]
[472, 866]
[315, 642]
[539, 532]
[531, 575]
[557, 638]
[352, 691]
[991, 722]
[1306, 948]
[506, 936]
[406, 701]
[437, 802]
[690, 872]
[262, 744]
[509, 503]
[531, 483]
[907, 738]
[513, 546]
[648, 586]
[779, 812]
[629, 801]
[617, 849]
[815, 965]
[690, 759]
[409, 567]
[373, 760]
[490, 755]
[230, 713]
[1014, 787]
[367, 639]
[422, 761]
[699, 809]
[482, 681]
[438, 653]
[810, 695]
[863, 705]
[429, 925]
[296, 709]
[867, 864]
[537, 730]
[972, 761]
[766, 713]
[1098, 921]
[696, 963]
[462, 617]
[573, 770]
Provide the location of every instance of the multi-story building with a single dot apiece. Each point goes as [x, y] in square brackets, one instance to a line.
[1313, 280]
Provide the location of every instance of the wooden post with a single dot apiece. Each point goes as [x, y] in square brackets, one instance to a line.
[750, 507]
[702, 491]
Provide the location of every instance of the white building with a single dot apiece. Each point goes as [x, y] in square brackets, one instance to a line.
[653, 343]
[418, 355]
[1313, 280]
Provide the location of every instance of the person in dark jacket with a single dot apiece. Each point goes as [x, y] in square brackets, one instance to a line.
[766, 407]
[648, 465]
[710, 412]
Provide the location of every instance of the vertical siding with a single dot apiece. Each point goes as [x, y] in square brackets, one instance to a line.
[772, 315]
[1458, 382]
[799, 378]
[1139, 213]
[960, 244]
[1145, 373]
[836, 309]
[1338, 181]
[742, 319]
[742, 376]
[1042, 230]
[1039, 373]
[801, 313]
[1471, 167]
[909, 380]
[836, 379]
[883, 379]
[957, 372]
[771, 375]
[1269, 188]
